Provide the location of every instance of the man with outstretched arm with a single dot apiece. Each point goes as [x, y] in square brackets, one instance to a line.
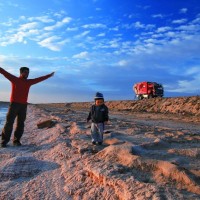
[18, 104]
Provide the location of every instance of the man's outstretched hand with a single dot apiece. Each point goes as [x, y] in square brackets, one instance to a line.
[52, 74]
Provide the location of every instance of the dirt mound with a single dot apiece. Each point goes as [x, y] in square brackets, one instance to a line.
[179, 105]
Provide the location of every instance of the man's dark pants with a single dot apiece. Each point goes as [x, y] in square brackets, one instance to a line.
[15, 110]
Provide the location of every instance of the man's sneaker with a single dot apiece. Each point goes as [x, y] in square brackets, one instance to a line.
[3, 145]
[18, 143]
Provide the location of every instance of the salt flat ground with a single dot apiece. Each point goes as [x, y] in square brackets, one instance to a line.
[144, 156]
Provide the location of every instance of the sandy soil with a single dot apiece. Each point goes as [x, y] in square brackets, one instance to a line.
[151, 150]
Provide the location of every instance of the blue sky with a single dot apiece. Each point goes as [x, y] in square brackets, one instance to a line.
[101, 45]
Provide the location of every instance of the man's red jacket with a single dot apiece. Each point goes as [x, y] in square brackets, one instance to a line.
[21, 86]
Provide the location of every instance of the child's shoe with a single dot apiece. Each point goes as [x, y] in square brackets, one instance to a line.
[99, 143]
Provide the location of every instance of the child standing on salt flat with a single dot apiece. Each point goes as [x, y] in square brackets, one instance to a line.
[99, 116]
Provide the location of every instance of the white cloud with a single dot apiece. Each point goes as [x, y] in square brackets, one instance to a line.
[187, 86]
[193, 28]
[101, 35]
[81, 55]
[27, 26]
[72, 29]
[193, 71]
[93, 26]
[66, 20]
[179, 21]
[114, 43]
[58, 24]
[171, 34]
[60, 14]
[15, 38]
[122, 63]
[116, 28]
[98, 9]
[183, 10]
[44, 19]
[52, 43]
[163, 29]
[158, 16]
[197, 20]
[139, 25]
[82, 34]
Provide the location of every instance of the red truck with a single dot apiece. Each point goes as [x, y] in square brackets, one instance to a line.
[148, 90]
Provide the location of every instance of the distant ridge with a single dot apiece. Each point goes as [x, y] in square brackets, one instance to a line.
[170, 105]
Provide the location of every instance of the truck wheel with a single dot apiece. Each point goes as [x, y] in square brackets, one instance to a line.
[150, 96]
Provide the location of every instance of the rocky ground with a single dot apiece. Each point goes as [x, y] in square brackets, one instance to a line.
[151, 150]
